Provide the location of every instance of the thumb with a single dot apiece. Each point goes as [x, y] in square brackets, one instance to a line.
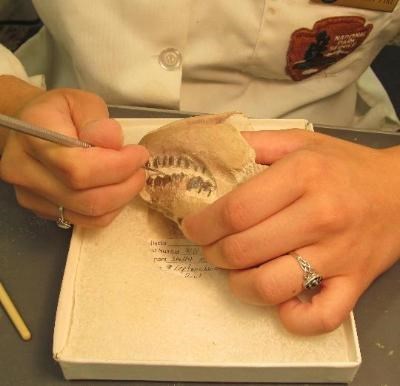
[90, 116]
[104, 132]
[326, 310]
[74, 113]
[272, 145]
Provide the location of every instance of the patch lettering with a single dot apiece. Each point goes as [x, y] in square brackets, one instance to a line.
[330, 40]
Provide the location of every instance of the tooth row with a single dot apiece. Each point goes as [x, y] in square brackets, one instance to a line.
[199, 184]
[170, 160]
[195, 183]
[162, 180]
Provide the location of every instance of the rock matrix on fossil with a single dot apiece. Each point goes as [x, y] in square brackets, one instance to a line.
[196, 160]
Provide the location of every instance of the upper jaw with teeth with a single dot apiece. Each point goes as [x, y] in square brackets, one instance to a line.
[179, 172]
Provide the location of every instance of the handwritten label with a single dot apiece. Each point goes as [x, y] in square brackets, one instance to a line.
[179, 256]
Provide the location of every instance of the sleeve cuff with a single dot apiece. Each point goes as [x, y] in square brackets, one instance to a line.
[10, 65]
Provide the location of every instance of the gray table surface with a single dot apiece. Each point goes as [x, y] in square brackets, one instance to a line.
[32, 260]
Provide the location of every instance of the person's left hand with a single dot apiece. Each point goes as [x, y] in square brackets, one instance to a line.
[335, 203]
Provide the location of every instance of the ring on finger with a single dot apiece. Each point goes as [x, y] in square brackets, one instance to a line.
[311, 278]
[61, 221]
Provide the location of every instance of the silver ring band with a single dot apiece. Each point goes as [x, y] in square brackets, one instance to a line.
[61, 221]
[311, 278]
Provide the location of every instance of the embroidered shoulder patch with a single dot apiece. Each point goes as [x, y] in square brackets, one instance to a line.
[331, 39]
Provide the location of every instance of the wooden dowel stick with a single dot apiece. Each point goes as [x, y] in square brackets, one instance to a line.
[13, 314]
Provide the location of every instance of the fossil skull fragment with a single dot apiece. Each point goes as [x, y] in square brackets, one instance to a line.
[196, 160]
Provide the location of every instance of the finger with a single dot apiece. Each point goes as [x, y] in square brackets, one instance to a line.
[65, 111]
[326, 310]
[279, 279]
[271, 283]
[48, 210]
[90, 202]
[289, 229]
[106, 199]
[248, 204]
[77, 168]
[103, 132]
[85, 115]
[74, 113]
[272, 145]
[95, 167]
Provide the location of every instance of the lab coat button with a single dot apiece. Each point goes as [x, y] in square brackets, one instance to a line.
[170, 59]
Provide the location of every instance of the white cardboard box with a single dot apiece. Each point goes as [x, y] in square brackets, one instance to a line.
[138, 302]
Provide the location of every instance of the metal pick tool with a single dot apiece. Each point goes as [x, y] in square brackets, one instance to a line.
[47, 135]
[40, 132]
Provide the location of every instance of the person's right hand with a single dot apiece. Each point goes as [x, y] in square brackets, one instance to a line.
[92, 184]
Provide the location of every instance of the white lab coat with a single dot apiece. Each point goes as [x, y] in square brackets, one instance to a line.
[227, 55]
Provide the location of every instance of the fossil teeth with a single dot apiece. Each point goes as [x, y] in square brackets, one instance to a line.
[155, 162]
[183, 162]
[167, 179]
[207, 185]
[195, 161]
[150, 181]
[162, 176]
[158, 181]
[194, 183]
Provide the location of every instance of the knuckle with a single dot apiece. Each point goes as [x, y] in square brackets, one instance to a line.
[267, 287]
[8, 172]
[75, 176]
[357, 208]
[22, 199]
[103, 221]
[329, 321]
[27, 113]
[94, 98]
[78, 97]
[7, 175]
[311, 166]
[77, 180]
[234, 215]
[92, 205]
[329, 214]
[95, 208]
[234, 252]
